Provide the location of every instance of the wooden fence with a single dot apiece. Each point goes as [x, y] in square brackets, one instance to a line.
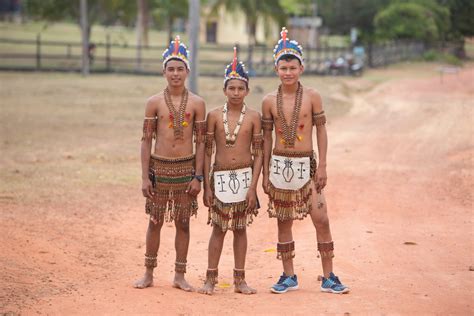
[40, 55]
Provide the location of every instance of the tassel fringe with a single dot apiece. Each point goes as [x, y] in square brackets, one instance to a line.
[290, 204]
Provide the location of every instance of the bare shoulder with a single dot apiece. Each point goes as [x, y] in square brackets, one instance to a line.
[315, 97]
[152, 105]
[214, 112]
[270, 97]
[268, 101]
[254, 115]
[195, 99]
[156, 99]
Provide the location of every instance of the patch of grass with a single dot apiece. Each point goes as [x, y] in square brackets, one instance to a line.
[435, 56]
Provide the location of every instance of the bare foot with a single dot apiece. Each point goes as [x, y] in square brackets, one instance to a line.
[207, 288]
[244, 288]
[144, 282]
[180, 283]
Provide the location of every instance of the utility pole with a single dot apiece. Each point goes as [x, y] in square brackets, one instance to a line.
[193, 31]
[85, 38]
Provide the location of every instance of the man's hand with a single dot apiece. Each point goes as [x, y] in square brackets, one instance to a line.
[194, 187]
[321, 178]
[251, 199]
[147, 188]
[265, 182]
[208, 197]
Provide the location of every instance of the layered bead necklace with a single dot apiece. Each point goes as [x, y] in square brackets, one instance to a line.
[288, 131]
[177, 121]
[230, 139]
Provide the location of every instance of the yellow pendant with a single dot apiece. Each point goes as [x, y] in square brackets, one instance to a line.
[185, 124]
[282, 141]
[170, 125]
[300, 138]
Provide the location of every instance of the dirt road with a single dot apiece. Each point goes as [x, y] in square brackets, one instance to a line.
[400, 203]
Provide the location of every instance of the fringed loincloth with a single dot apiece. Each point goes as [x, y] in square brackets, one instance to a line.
[170, 178]
[230, 184]
[290, 184]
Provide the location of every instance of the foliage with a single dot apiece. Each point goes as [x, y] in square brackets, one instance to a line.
[433, 55]
[404, 20]
[462, 21]
[165, 13]
[104, 11]
[341, 15]
[298, 7]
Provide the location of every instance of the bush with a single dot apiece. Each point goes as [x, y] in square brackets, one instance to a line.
[433, 55]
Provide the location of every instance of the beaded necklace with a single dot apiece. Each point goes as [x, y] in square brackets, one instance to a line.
[288, 131]
[230, 139]
[177, 121]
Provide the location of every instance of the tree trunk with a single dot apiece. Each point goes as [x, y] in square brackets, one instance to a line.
[142, 21]
[170, 29]
[252, 41]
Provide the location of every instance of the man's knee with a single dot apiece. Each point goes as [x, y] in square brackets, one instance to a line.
[239, 233]
[155, 226]
[321, 221]
[182, 226]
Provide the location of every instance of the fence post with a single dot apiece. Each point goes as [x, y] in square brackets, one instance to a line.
[263, 63]
[38, 51]
[107, 52]
[68, 51]
[138, 66]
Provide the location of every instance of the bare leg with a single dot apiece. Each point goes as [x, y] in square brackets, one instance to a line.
[320, 219]
[216, 242]
[240, 251]
[152, 246]
[285, 234]
[181, 244]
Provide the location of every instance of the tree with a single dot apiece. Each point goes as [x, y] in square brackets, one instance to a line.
[142, 22]
[462, 13]
[106, 11]
[342, 15]
[298, 7]
[415, 19]
[169, 11]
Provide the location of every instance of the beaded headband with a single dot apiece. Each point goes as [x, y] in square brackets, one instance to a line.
[235, 70]
[176, 50]
[287, 47]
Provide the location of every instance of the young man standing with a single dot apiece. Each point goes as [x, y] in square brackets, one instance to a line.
[230, 189]
[290, 172]
[172, 174]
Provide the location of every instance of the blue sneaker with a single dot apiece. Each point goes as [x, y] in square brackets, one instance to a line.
[285, 284]
[333, 285]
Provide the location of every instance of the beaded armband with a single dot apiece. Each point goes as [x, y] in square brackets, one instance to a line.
[149, 128]
[319, 119]
[209, 144]
[267, 124]
[257, 144]
[200, 128]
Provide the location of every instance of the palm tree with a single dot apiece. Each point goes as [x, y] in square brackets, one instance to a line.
[268, 10]
[169, 11]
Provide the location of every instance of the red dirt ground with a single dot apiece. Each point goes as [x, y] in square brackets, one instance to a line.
[400, 204]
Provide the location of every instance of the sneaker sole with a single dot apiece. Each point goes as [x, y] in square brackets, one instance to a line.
[346, 290]
[293, 288]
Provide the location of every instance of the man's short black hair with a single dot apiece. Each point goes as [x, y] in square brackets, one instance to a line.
[246, 82]
[288, 57]
[174, 58]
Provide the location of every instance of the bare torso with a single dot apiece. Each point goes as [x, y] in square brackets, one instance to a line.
[166, 144]
[304, 125]
[240, 152]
